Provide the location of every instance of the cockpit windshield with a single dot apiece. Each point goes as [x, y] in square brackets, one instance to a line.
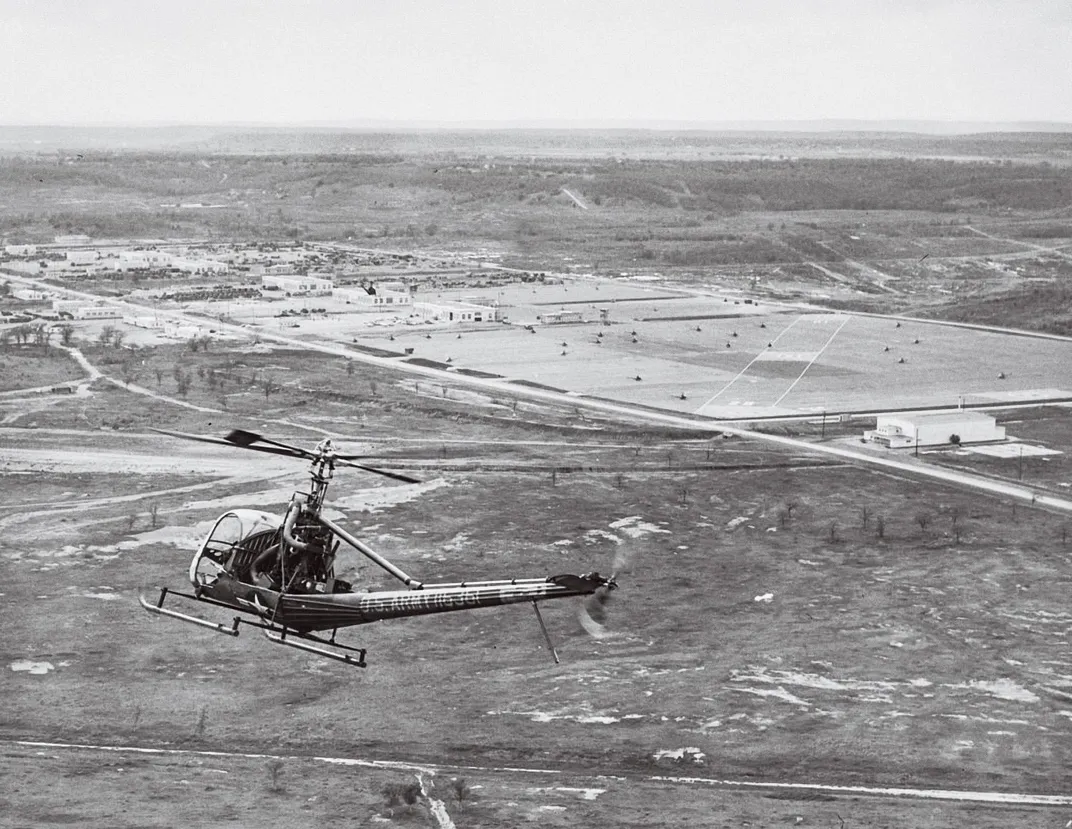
[224, 548]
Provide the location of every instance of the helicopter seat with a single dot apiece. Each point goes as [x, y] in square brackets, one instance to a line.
[233, 544]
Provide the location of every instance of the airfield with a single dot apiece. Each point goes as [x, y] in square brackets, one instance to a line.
[706, 353]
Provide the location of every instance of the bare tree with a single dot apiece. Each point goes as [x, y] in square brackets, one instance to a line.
[865, 517]
[66, 333]
[274, 769]
[154, 514]
[462, 791]
[923, 518]
[880, 526]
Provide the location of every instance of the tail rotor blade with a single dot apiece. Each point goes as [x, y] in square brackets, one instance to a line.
[593, 614]
[595, 611]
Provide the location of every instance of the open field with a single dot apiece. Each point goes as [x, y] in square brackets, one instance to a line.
[767, 629]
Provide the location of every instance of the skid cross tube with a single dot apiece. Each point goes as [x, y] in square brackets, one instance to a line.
[159, 608]
[370, 554]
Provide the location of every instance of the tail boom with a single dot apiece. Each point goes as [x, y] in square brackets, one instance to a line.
[323, 612]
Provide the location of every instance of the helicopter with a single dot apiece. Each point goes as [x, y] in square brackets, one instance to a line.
[280, 570]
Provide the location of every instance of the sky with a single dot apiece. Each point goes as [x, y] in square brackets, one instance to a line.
[532, 61]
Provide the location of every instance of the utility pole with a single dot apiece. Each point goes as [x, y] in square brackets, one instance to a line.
[1020, 471]
[822, 431]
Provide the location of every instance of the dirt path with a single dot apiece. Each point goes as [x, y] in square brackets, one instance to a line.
[593, 782]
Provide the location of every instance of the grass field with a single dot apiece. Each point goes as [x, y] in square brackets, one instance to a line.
[767, 361]
[766, 629]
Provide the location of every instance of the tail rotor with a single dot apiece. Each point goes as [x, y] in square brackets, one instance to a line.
[594, 613]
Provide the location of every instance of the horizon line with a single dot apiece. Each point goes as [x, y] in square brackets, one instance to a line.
[921, 125]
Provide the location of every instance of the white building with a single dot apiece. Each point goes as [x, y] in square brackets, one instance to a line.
[82, 257]
[181, 331]
[20, 250]
[96, 312]
[560, 317]
[134, 259]
[295, 285]
[456, 311]
[903, 430]
[200, 265]
[29, 295]
[381, 298]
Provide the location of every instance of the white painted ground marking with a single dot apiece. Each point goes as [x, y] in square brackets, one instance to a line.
[741, 373]
[818, 354]
[924, 794]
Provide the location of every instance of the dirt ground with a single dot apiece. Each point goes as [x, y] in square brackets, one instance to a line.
[781, 620]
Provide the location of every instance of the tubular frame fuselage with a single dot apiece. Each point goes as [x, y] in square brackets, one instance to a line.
[305, 612]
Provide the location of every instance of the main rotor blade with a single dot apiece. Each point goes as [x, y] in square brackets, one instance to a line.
[240, 437]
[288, 451]
[398, 476]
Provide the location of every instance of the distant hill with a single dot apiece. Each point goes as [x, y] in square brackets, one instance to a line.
[683, 140]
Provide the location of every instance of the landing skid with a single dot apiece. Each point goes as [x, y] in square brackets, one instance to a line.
[296, 641]
[276, 634]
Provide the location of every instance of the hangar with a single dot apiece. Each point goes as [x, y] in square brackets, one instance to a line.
[901, 430]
